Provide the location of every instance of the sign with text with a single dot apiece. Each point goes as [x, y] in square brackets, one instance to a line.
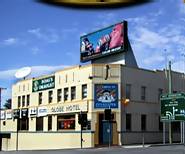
[24, 113]
[8, 114]
[42, 111]
[104, 42]
[2, 115]
[68, 108]
[32, 112]
[16, 113]
[43, 84]
[173, 107]
[106, 96]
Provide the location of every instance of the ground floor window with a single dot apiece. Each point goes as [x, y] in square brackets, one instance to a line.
[49, 122]
[39, 124]
[23, 124]
[66, 122]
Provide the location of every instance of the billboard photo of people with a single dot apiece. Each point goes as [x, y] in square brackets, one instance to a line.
[103, 42]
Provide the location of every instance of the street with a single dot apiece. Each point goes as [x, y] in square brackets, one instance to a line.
[174, 149]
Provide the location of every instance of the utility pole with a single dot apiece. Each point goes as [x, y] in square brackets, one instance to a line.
[170, 92]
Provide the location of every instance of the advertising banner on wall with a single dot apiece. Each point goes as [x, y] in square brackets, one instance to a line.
[16, 113]
[106, 96]
[42, 111]
[103, 42]
[8, 114]
[2, 115]
[24, 113]
[68, 108]
[32, 112]
[43, 84]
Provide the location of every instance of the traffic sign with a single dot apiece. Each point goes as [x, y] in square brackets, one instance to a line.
[173, 107]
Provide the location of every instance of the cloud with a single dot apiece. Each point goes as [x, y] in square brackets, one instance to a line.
[181, 6]
[154, 58]
[48, 35]
[149, 41]
[10, 41]
[36, 71]
[35, 50]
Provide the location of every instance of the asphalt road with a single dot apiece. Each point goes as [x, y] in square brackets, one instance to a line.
[175, 149]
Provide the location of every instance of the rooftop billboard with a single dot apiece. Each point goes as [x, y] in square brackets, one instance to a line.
[104, 42]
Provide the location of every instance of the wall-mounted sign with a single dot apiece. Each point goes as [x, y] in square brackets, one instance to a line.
[106, 96]
[42, 111]
[32, 112]
[16, 113]
[2, 115]
[8, 114]
[104, 42]
[43, 84]
[24, 113]
[68, 108]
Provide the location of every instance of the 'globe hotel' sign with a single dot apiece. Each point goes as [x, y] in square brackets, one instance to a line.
[43, 84]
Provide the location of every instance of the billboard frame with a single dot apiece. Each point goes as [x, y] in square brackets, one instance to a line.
[123, 49]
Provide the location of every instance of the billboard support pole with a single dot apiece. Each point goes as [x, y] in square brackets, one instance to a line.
[183, 133]
[170, 91]
[164, 131]
[181, 127]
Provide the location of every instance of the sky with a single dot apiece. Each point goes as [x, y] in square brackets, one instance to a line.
[47, 38]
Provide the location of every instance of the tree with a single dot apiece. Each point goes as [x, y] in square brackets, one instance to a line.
[8, 104]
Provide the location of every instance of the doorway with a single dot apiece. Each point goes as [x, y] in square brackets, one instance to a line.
[105, 131]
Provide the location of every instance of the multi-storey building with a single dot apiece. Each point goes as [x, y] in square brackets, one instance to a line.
[45, 110]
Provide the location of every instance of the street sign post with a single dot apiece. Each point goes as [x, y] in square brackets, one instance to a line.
[173, 107]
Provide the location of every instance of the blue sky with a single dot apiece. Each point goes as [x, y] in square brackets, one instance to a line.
[47, 38]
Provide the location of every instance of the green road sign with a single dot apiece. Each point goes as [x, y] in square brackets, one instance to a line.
[173, 107]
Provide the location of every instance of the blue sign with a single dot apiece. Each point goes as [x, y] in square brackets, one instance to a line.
[106, 96]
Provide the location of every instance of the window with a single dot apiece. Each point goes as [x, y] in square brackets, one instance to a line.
[160, 124]
[23, 87]
[66, 122]
[22, 124]
[128, 122]
[40, 98]
[84, 91]
[49, 123]
[73, 93]
[143, 122]
[19, 101]
[50, 96]
[28, 100]
[128, 91]
[66, 94]
[143, 93]
[23, 101]
[160, 91]
[59, 95]
[66, 78]
[39, 124]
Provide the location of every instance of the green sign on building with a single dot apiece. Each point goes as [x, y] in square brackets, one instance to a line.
[173, 107]
[43, 84]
